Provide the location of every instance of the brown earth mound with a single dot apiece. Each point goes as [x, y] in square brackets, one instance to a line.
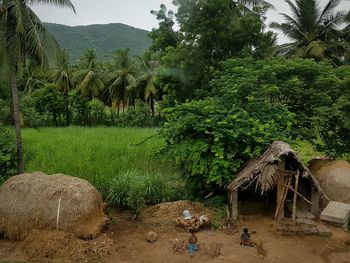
[48, 245]
[50, 202]
[163, 216]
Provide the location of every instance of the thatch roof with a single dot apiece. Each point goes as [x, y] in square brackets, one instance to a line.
[263, 171]
[49, 202]
[334, 177]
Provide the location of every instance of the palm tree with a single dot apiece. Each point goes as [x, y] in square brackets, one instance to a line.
[314, 30]
[122, 80]
[89, 77]
[22, 35]
[63, 78]
[147, 81]
[31, 76]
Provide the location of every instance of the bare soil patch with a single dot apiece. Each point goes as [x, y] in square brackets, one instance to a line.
[126, 242]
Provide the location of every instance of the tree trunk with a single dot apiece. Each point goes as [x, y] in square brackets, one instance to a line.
[16, 115]
[66, 107]
[152, 105]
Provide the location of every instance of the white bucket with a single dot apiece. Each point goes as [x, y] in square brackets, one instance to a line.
[186, 214]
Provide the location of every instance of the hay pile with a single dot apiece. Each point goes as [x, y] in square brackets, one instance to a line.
[334, 177]
[48, 202]
[163, 216]
[49, 245]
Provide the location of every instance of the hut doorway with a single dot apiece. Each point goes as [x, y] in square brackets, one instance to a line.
[251, 202]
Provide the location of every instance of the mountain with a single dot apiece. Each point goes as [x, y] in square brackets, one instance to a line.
[104, 38]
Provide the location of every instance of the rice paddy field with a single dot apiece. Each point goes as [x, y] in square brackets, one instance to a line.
[96, 154]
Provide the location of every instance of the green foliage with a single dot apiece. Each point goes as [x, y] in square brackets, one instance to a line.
[104, 38]
[135, 190]
[96, 111]
[316, 93]
[138, 117]
[210, 31]
[48, 100]
[7, 153]
[315, 31]
[31, 117]
[211, 140]
[5, 112]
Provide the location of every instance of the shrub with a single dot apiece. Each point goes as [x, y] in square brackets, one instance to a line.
[134, 190]
[7, 153]
[211, 140]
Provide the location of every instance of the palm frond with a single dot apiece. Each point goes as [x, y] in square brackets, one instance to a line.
[59, 3]
[329, 8]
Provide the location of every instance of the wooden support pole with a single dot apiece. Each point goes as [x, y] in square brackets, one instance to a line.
[295, 195]
[280, 204]
[233, 198]
[290, 188]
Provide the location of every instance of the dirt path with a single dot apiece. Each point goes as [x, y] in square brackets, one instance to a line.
[280, 249]
[133, 247]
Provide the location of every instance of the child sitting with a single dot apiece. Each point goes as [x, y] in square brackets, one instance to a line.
[245, 238]
[192, 246]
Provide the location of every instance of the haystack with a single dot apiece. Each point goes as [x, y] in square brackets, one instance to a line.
[334, 177]
[50, 202]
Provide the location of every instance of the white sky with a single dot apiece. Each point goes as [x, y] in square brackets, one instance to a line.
[135, 13]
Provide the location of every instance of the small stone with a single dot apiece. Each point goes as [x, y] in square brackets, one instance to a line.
[152, 236]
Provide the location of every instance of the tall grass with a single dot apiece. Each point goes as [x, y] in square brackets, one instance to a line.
[99, 155]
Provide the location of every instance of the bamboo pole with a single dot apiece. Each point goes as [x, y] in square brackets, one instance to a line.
[290, 188]
[283, 196]
[295, 195]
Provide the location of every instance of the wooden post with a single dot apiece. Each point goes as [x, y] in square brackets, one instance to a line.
[281, 182]
[282, 200]
[315, 199]
[295, 195]
[233, 198]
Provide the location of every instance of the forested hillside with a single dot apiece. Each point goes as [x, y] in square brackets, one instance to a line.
[104, 38]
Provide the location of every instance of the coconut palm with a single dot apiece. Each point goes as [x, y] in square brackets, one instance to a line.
[32, 76]
[313, 30]
[22, 35]
[89, 76]
[147, 81]
[63, 77]
[122, 80]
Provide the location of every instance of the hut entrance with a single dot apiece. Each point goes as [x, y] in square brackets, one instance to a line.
[251, 202]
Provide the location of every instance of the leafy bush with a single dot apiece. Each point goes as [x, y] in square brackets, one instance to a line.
[140, 116]
[7, 153]
[134, 190]
[96, 112]
[5, 112]
[212, 139]
[316, 93]
[30, 116]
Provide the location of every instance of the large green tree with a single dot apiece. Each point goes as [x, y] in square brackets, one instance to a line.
[22, 35]
[314, 30]
[209, 32]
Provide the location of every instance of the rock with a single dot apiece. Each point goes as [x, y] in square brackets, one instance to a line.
[152, 236]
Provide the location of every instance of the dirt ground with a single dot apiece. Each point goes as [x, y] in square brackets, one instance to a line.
[130, 237]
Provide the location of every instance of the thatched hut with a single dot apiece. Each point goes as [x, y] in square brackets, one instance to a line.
[334, 178]
[49, 202]
[278, 170]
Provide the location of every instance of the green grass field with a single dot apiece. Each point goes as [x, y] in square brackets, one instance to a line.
[95, 154]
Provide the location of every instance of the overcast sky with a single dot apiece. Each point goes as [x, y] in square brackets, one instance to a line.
[135, 13]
